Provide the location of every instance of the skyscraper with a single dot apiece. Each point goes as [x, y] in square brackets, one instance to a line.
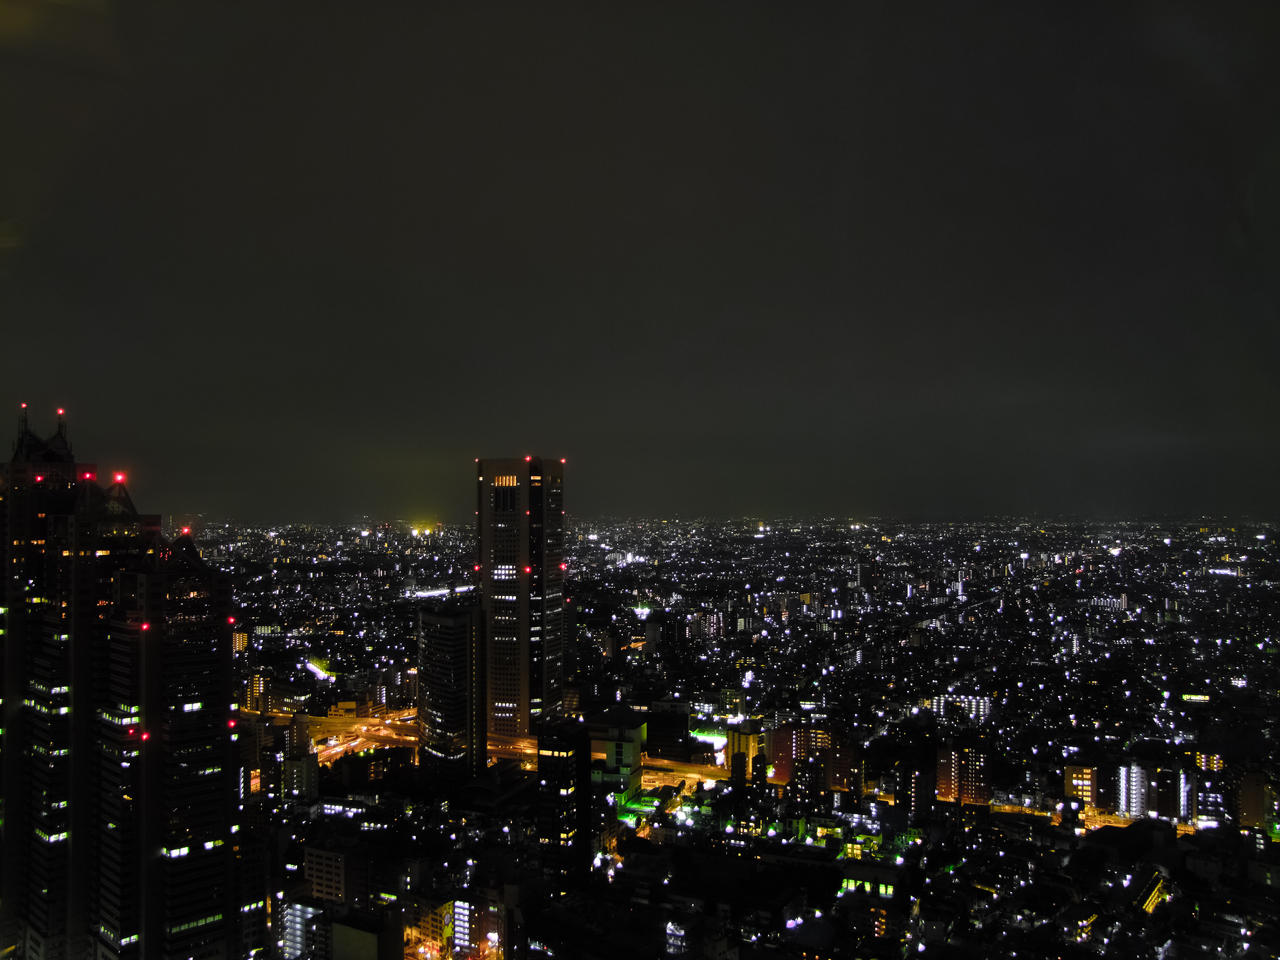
[520, 530]
[166, 779]
[451, 691]
[117, 726]
[61, 535]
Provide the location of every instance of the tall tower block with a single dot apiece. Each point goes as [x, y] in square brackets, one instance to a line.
[520, 563]
[451, 691]
[118, 780]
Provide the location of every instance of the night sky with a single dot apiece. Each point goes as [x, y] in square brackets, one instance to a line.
[935, 260]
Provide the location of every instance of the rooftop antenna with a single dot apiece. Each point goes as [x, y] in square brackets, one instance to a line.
[23, 429]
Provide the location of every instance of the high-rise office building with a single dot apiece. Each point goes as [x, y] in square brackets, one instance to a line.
[39, 489]
[451, 691]
[520, 566]
[167, 779]
[118, 774]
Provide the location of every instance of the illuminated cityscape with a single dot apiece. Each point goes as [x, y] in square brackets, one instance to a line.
[802, 738]
[753, 481]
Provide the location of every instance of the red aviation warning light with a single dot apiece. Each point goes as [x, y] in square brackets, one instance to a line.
[231, 619]
[528, 569]
[61, 412]
[146, 626]
[88, 475]
[186, 531]
[231, 724]
[39, 478]
[146, 735]
[564, 566]
[119, 477]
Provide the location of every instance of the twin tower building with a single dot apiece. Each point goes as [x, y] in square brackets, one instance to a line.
[491, 667]
[119, 759]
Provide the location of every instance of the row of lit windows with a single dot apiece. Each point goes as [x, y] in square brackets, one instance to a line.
[202, 922]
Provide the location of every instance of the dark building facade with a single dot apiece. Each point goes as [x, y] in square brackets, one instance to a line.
[118, 773]
[564, 799]
[915, 772]
[451, 691]
[521, 568]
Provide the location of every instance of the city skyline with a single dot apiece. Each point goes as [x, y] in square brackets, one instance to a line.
[450, 506]
[305, 742]
[855, 259]
[749, 481]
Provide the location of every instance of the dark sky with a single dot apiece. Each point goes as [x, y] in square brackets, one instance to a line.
[922, 259]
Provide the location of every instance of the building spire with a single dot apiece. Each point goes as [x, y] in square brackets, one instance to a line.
[58, 443]
[24, 433]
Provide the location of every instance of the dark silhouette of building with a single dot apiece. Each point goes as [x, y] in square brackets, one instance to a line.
[1255, 800]
[253, 842]
[520, 529]
[668, 729]
[808, 786]
[451, 693]
[170, 639]
[564, 799]
[760, 776]
[119, 768]
[915, 771]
